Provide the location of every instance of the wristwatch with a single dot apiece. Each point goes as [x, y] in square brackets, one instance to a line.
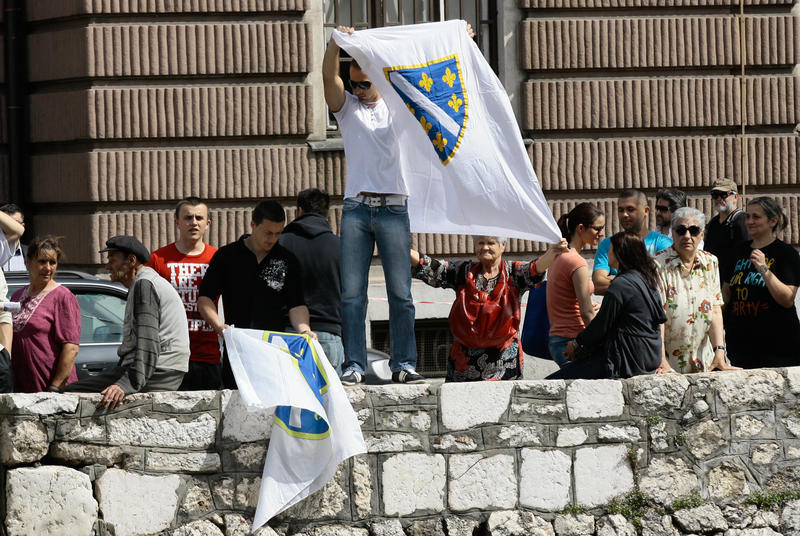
[719, 348]
[763, 269]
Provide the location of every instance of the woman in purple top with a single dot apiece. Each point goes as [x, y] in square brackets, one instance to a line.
[47, 329]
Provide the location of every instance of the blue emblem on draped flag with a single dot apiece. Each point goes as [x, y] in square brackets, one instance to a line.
[434, 93]
[296, 421]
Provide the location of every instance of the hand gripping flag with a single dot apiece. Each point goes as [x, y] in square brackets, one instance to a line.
[315, 427]
[460, 149]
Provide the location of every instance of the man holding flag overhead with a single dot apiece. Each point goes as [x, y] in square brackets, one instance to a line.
[375, 211]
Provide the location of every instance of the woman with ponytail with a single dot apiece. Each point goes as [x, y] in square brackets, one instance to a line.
[569, 283]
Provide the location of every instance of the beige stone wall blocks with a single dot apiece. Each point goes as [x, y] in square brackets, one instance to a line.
[47, 9]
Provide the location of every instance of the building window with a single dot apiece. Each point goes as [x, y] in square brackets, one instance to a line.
[434, 340]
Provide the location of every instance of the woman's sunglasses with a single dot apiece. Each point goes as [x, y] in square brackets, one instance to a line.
[360, 85]
[694, 230]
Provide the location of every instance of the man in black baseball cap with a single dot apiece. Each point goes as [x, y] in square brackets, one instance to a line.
[154, 354]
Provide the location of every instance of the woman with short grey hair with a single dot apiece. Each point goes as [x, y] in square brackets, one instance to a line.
[690, 291]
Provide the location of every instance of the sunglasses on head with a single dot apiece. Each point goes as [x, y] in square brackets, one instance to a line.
[365, 85]
[680, 230]
[717, 194]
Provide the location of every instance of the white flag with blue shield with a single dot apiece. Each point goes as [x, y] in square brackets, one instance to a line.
[315, 427]
[461, 153]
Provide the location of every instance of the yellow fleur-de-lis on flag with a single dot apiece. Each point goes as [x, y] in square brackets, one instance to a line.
[425, 124]
[426, 82]
[440, 142]
[449, 77]
[455, 103]
[410, 109]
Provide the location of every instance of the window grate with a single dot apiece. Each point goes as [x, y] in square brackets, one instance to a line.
[433, 344]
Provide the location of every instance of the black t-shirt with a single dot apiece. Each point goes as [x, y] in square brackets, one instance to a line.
[719, 237]
[758, 331]
[255, 295]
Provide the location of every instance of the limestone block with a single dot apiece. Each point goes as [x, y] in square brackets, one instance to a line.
[615, 525]
[700, 408]
[202, 527]
[793, 375]
[389, 442]
[197, 433]
[197, 501]
[574, 525]
[426, 527]
[760, 425]
[739, 516]
[539, 411]
[704, 518]
[601, 474]
[246, 493]
[237, 525]
[518, 523]
[137, 504]
[618, 434]
[398, 393]
[222, 489]
[466, 441]
[80, 430]
[541, 388]
[749, 389]
[659, 438]
[185, 401]
[790, 517]
[570, 437]
[469, 404]
[387, 527]
[460, 526]
[413, 482]
[336, 530]
[791, 421]
[188, 462]
[38, 403]
[469, 475]
[362, 482]
[765, 453]
[551, 466]
[594, 399]
[765, 531]
[83, 454]
[356, 394]
[48, 500]
[727, 481]
[514, 435]
[660, 393]
[407, 420]
[704, 439]
[246, 457]
[241, 425]
[330, 502]
[24, 441]
[666, 479]
[763, 519]
[659, 526]
[785, 478]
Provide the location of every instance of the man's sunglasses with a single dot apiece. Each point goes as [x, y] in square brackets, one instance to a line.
[720, 195]
[694, 230]
[662, 208]
[360, 85]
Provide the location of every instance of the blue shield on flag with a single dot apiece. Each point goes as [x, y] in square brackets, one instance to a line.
[435, 95]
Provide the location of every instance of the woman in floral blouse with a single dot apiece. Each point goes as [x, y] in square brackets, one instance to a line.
[690, 290]
[485, 316]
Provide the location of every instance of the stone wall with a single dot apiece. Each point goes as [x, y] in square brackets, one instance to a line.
[662, 455]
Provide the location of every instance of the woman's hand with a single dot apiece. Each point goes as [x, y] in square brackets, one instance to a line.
[720, 363]
[664, 367]
[553, 251]
[758, 259]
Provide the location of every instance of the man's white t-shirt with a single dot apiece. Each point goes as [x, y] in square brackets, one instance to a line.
[371, 147]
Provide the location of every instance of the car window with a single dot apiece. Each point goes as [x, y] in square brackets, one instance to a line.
[101, 317]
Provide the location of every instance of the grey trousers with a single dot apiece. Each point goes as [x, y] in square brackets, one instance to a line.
[161, 380]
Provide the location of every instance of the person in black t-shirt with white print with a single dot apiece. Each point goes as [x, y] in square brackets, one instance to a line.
[258, 279]
[760, 284]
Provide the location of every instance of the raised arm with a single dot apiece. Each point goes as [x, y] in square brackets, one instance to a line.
[333, 84]
[11, 228]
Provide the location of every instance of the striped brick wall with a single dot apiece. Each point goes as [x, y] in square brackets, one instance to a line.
[648, 94]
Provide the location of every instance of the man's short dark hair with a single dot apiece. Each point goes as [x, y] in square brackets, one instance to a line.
[268, 210]
[675, 198]
[641, 198]
[192, 201]
[11, 208]
[314, 201]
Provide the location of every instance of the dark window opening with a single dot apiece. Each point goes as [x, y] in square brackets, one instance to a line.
[433, 344]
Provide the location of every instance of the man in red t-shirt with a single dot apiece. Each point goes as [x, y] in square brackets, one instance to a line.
[183, 263]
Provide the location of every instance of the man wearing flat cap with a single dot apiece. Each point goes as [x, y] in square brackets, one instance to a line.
[728, 226]
[154, 354]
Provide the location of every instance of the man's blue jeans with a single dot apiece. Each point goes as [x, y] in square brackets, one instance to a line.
[363, 227]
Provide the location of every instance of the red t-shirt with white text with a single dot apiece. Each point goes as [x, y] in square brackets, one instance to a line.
[185, 272]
